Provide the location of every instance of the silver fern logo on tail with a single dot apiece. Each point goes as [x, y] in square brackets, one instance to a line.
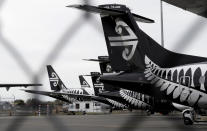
[128, 41]
[54, 78]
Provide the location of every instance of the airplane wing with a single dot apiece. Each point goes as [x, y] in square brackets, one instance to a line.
[59, 97]
[195, 6]
[8, 86]
[58, 94]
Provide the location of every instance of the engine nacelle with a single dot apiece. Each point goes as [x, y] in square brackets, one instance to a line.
[180, 107]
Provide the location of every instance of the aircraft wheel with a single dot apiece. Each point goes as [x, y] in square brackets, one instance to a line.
[188, 121]
[188, 116]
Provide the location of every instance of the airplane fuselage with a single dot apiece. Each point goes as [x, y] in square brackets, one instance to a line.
[186, 84]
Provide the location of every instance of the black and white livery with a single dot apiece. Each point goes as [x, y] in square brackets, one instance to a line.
[85, 93]
[134, 100]
[61, 92]
[148, 67]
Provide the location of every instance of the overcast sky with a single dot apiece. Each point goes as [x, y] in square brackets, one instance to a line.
[34, 27]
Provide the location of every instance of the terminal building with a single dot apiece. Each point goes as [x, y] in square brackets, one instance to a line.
[4, 106]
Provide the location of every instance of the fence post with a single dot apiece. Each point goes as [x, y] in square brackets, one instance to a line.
[39, 110]
[48, 110]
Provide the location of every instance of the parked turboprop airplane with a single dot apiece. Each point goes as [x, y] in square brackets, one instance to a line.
[114, 98]
[73, 94]
[148, 67]
[135, 100]
[59, 90]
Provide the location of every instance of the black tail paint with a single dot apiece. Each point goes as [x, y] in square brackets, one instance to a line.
[128, 46]
[121, 39]
[55, 81]
[98, 86]
[104, 64]
[83, 82]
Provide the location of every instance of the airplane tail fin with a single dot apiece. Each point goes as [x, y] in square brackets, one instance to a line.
[98, 86]
[55, 81]
[120, 30]
[129, 48]
[105, 65]
[83, 82]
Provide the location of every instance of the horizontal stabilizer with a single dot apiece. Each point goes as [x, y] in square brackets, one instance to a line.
[96, 60]
[93, 74]
[103, 10]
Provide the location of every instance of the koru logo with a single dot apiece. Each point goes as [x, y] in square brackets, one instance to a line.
[100, 90]
[54, 79]
[98, 80]
[108, 68]
[124, 40]
[85, 84]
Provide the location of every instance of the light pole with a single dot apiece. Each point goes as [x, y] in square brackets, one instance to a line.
[161, 21]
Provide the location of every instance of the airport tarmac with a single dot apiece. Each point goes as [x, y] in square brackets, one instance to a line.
[109, 122]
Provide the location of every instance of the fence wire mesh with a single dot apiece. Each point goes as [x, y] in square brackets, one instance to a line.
[132, 122]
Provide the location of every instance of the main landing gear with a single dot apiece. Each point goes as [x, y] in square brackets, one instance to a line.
[189, 116]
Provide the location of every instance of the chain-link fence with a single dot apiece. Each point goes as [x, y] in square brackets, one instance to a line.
[132, 122]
